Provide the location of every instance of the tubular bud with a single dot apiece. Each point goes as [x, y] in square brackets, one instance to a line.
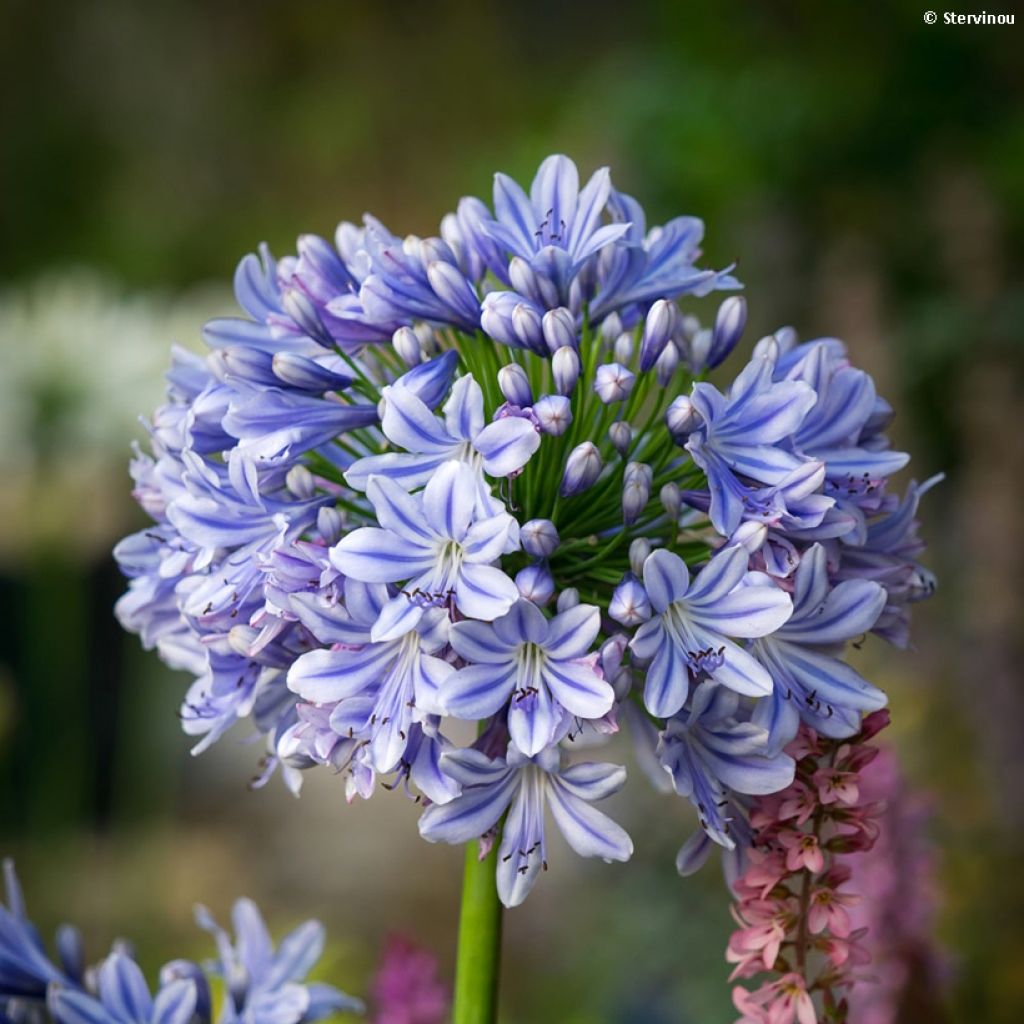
[682, 418]
[565, 369]
[408, 346]
[582, 469]
[554, 414]
[621, 435]
[539, 538]
[536, 584]
[559, 327]
[515, 385]
[613, 383]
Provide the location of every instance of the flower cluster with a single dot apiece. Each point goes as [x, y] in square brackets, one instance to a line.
[794, 900]
[261, 985]
[483, 477]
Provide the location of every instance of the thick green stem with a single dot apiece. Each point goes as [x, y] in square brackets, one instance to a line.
[476, 972]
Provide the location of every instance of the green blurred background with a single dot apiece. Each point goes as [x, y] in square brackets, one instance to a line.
[867, 168]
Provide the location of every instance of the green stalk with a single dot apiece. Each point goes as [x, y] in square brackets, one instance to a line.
[476, 970]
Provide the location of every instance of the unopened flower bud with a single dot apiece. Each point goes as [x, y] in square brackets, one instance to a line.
[787, 338]
[300, 482]
[554, 414]
[536, 287]
[662, 321]
[427, 339]
[582, 469]
[767, 348]
[559, 327]
[329, 524]
[526, 325]
[639, 549]
[666, 366]
[611, 327]
[751, 535]
[623, 347]
[301, 372]
[629, 604]
[300, 308]
[613, 383]
[729, 324]
[639, 471]
[539, 538]
[636, 494]
[536, 584]
[671, 500]
[408, 346]
[565, 369]
[568, 598]
[452, 288]
[698, 348]
[682, 418]
[621, 435]
[515, 385]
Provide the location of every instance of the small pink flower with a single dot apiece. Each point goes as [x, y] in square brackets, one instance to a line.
[800, 803]
[765, 870]
[785, 1001]
[827, 911]
[836, 787]
[802, 851]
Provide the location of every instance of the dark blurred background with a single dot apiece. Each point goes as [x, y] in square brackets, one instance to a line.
[868, 169]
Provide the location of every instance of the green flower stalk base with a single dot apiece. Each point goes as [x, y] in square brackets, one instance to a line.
[479, 954]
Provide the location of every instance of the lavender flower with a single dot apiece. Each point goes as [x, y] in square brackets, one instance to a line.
[689, 634]
[437, 545]
[536, 665]
[525, 787]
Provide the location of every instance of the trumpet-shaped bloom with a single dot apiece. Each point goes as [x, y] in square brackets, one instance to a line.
[386, 685]
[738, 442]
[690, 633]
[265, 985]
[435, 545]
[811, 682]
[525, 787]
[538, 666]
[498, 449]
[558, 226]
[710, 752]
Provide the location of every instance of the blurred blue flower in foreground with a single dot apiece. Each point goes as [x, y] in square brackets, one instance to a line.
[262, 986]
[470, 477]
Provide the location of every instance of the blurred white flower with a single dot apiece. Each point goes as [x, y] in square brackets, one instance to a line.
[80, 356]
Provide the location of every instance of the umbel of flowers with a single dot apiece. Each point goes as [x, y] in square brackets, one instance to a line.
[483, 477]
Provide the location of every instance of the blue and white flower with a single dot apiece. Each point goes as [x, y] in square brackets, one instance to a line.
[537, 666]
[525, 787]
[690, 635]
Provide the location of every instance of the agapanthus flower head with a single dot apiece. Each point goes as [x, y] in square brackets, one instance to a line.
[482, 477]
